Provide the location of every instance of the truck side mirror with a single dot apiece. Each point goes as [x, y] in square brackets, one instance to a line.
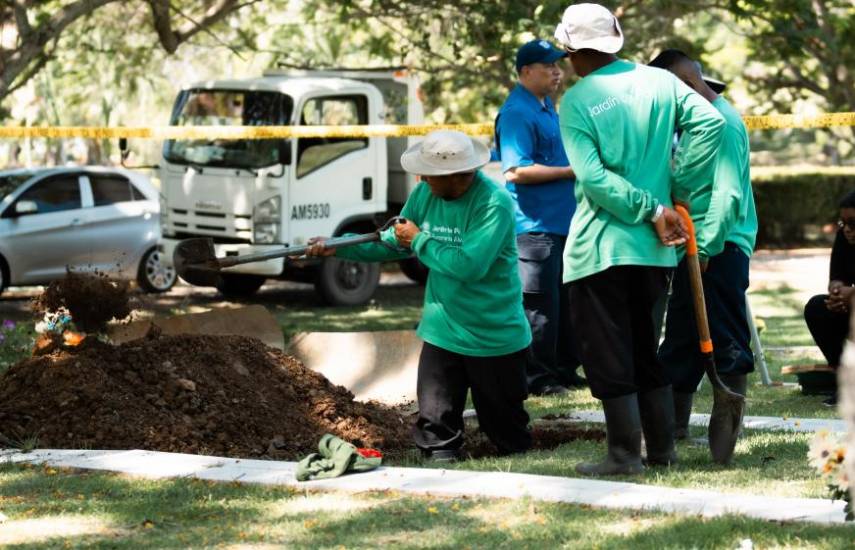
[284, 156]
[26, 207]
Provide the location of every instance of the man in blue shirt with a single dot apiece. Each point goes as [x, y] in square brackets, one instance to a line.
[540, 180]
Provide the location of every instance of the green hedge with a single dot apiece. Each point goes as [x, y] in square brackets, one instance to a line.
[793, 206]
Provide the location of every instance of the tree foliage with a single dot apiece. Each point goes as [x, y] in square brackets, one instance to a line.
[34, 28]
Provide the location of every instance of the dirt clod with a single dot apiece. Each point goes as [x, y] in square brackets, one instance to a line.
[92, 300]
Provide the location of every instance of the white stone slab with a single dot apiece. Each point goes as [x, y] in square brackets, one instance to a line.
[447, 483]
[809, 425]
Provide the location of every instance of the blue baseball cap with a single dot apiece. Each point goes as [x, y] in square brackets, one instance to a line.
[538, 51]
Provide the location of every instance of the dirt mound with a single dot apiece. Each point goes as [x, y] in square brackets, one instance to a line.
[92, 300]
[224, 395]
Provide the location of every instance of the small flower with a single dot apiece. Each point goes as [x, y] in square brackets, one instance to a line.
[8, 324]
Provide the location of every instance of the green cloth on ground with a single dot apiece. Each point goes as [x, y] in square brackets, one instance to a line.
[724, 210]
[617, 124]
[334, 458]
[473, 297]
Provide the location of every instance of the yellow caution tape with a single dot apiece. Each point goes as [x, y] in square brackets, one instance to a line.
[773, 122]
[766, 122]
[241, 132]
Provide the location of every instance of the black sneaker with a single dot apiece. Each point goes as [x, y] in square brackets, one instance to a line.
[551, 389]
[443, 455]
[573, 380]
[831, 401]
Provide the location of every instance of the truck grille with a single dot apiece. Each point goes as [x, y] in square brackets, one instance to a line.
[223, 228]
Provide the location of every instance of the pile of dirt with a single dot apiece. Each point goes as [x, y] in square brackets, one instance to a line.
[92, 300]
[222, 395]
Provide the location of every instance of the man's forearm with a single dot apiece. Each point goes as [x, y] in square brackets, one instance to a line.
[538, 173]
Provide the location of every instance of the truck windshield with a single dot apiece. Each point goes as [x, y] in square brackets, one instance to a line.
[227, 108]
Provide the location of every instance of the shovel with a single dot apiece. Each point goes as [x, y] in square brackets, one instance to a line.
[196, 262]
[728, 406]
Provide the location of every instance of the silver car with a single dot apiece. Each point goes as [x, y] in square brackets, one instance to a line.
[83, 219]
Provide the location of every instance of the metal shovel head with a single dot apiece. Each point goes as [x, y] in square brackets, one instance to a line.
[196, 262]
[725, 424]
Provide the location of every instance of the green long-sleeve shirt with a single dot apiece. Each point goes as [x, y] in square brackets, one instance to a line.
[723, 210]
[473, 297]
[617, 124]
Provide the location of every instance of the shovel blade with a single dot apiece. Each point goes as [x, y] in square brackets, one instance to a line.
[196, 262]
[725, 424]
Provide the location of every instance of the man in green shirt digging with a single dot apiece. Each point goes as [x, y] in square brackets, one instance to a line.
[617, 124]
[460, 224]
[722, 209]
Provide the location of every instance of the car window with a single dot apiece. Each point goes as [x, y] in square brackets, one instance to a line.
[54, 194]
[136, 194]
[312, 153]
[12, 181]
[110, 189]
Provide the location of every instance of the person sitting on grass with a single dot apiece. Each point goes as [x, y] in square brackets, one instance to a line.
[460, 224]
[827, 315]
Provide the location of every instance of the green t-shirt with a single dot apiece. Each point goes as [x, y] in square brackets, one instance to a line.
[724, 209]
[473, 298]
[617, 124]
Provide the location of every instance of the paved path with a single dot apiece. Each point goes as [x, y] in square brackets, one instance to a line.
[803, 425]
[447, 483]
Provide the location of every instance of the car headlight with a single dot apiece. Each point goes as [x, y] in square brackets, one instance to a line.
[265, 221]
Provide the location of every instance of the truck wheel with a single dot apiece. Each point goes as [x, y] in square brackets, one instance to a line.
[414, 269]
[346, 283]
[234, 285]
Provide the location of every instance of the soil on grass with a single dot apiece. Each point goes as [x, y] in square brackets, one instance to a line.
[544, 438]
[224, 395]
[92, 300]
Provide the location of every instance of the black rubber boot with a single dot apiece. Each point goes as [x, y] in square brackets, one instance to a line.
[682, 413]
[657, 421]
[623, 436]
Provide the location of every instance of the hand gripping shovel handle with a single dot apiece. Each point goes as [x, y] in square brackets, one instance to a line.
[694, 267]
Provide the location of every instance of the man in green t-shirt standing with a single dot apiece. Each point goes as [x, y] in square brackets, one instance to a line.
[617, 124]
[460, 224]
[722, 209]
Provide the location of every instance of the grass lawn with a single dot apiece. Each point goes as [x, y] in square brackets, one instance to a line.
[48, 508]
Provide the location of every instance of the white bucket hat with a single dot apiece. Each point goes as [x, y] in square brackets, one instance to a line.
[589, 26]
[445, 152]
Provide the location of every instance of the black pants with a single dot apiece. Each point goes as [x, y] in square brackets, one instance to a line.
[545, 299]
[828, 328]
[613, 316]
[498, 391]
[725, 282]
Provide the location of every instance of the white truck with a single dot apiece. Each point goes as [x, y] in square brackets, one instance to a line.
[253, 196]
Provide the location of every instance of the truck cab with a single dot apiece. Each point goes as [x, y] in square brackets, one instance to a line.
[254, 196]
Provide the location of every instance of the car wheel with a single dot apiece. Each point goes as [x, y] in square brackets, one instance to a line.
[153, 275]
[4, 274]
[415, 270]
[347, 283]
[234, 285]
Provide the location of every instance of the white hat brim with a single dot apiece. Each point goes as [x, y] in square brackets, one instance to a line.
[412, 161]
[605, 44]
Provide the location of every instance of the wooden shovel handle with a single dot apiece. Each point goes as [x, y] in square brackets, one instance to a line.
[694, 267]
